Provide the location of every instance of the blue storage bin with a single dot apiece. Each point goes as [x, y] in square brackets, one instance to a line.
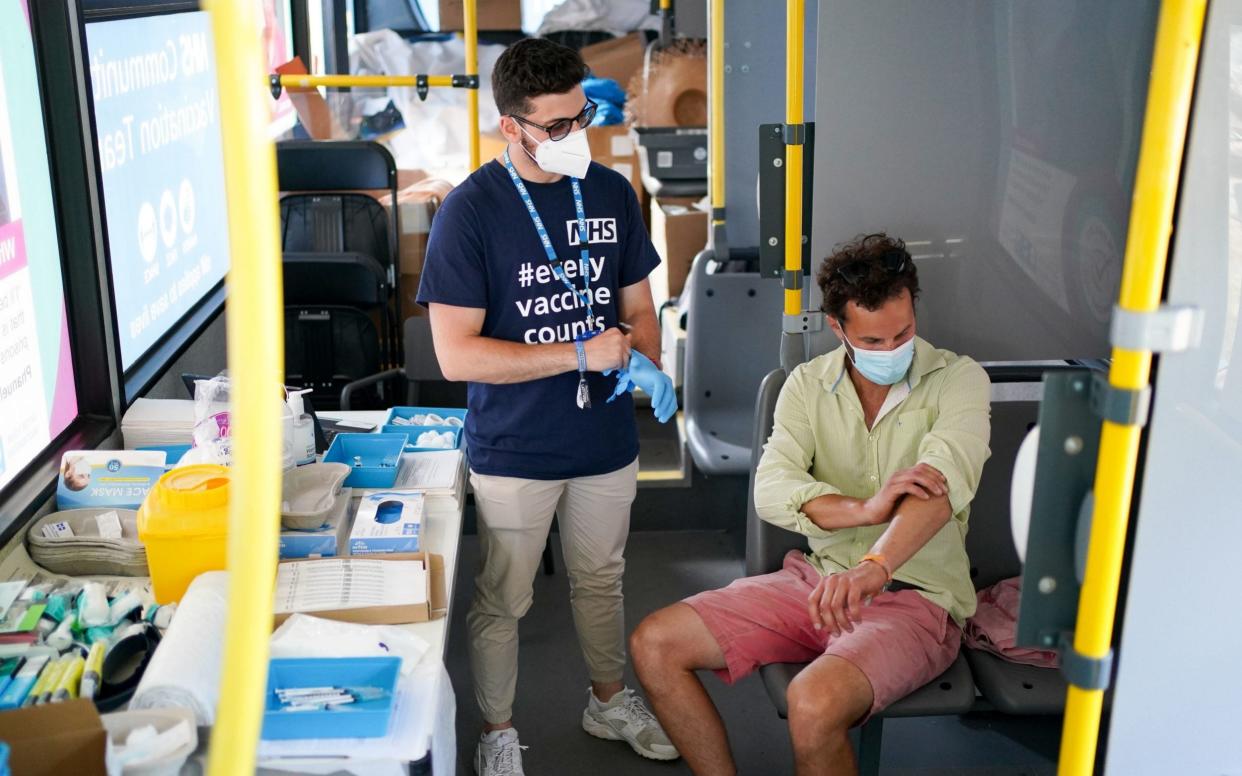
[360, 719]
[412, 446]
[374, 458]
[409, 412]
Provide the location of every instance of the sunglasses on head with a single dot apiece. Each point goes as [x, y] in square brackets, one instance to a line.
[560, 129]
[893, 261]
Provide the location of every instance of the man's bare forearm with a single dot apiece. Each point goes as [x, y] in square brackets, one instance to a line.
[835, 512]
[479, 359]
[914, 523]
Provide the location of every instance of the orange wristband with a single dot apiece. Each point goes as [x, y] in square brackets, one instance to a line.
[880, 561]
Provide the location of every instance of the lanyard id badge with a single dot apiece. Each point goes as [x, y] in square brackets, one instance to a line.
[583, 398]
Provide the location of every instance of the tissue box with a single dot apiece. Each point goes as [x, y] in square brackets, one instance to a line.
[387, 522]
[327, 542]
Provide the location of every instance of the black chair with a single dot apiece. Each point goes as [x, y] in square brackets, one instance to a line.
[340, 253]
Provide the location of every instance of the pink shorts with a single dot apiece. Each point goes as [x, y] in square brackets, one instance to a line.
[903, 642]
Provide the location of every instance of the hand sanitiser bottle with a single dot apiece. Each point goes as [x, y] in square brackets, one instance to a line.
[303, 429]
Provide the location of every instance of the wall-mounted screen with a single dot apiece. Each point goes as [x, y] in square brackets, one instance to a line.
[158, 130]
[38, 399]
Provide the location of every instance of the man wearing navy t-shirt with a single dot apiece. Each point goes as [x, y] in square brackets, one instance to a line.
[536, 282]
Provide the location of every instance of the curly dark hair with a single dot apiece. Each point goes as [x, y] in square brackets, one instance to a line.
[533, 67]
[870, 270]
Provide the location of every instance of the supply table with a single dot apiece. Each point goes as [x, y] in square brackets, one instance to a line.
[422, 739]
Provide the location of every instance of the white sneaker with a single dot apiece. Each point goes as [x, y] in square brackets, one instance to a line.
[626, 718]
[499, 754]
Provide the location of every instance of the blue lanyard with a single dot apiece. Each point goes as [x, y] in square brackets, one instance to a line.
[585, 261]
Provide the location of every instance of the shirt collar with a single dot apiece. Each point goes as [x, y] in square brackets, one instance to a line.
[927, 359]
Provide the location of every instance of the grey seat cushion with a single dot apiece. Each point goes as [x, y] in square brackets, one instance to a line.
[1015, 688]
[952, 692]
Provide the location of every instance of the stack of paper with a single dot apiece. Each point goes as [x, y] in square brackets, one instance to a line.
[440, 475]
[156, 422]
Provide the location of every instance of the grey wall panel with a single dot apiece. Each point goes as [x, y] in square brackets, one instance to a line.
[1178, 683]
[691, 18]
[999, 139]
[754, 95]
[206, 356]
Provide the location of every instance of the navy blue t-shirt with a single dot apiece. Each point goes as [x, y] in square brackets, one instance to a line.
[484, 252]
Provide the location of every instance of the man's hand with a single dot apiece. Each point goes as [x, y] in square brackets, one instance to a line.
[608, 350]
[922, 482]
[837, 601]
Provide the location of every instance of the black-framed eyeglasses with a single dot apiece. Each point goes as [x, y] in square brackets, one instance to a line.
[894, 262]
[560, 129]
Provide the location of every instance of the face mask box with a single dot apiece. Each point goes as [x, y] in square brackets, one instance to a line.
[328, 541]
[387, 522]
[107, 478]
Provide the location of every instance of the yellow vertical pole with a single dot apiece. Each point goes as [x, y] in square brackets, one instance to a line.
[716, 136]
[472, 68]
[794, 59]
[255, 358]
[1169, 96]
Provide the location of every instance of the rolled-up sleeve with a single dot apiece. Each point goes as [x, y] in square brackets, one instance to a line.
[957, 444]
[783, 482]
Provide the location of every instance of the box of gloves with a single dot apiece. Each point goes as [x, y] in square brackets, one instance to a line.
[387, 522]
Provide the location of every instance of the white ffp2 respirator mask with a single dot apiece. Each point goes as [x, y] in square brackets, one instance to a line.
[569, 156]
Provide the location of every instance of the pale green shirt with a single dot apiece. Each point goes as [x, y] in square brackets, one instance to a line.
[820, 445]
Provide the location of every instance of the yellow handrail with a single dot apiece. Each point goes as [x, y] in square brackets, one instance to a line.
[795, 23]
[298, 81]
[1151, 221]
[716, 138]
[256, 359]
[472, 66]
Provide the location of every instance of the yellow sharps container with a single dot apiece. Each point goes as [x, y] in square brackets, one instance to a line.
[184, 525]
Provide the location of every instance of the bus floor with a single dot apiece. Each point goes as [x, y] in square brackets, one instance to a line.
[663, 567]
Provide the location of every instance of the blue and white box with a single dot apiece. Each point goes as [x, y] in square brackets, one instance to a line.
[327, 541]
[107, 478]
[387, 522]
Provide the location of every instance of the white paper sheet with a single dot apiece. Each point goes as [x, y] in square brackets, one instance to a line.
[348, 583]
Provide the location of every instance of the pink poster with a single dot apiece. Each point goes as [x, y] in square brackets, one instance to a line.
[12, 249]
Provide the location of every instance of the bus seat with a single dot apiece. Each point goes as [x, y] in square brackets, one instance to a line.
[953, 692]
[727, 355]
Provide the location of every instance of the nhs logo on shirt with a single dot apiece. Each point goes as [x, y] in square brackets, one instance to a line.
[599, 230]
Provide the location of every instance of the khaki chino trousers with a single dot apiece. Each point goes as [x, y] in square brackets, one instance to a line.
[515, 516]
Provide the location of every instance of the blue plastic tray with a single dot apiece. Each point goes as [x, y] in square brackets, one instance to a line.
[409, 412]
[412, 447]
[375, 458]
[361, 719]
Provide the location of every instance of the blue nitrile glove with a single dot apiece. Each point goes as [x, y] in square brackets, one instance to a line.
[646, 375]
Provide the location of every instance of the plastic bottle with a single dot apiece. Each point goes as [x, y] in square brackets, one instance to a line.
[303, 429]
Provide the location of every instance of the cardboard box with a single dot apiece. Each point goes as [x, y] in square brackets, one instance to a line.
[493, 15]
[679, 232]
[55, 739]
[435, 608]
[618, 59]
[614, 147]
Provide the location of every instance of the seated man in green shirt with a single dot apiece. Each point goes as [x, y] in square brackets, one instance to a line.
[875, 456]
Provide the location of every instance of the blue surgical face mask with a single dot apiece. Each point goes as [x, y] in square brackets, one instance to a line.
[883, 367]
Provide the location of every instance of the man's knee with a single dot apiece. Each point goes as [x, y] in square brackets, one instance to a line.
[660, 640]
[824, 702]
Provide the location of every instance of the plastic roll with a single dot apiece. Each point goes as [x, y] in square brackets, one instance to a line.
[185, 671]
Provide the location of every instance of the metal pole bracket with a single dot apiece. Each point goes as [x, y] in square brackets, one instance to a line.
[808, 321]
[1088, 673]
[421, 86]
[1118, 405]
[465, 81]
[794, 134]
[1169, 329]
[273, 81]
